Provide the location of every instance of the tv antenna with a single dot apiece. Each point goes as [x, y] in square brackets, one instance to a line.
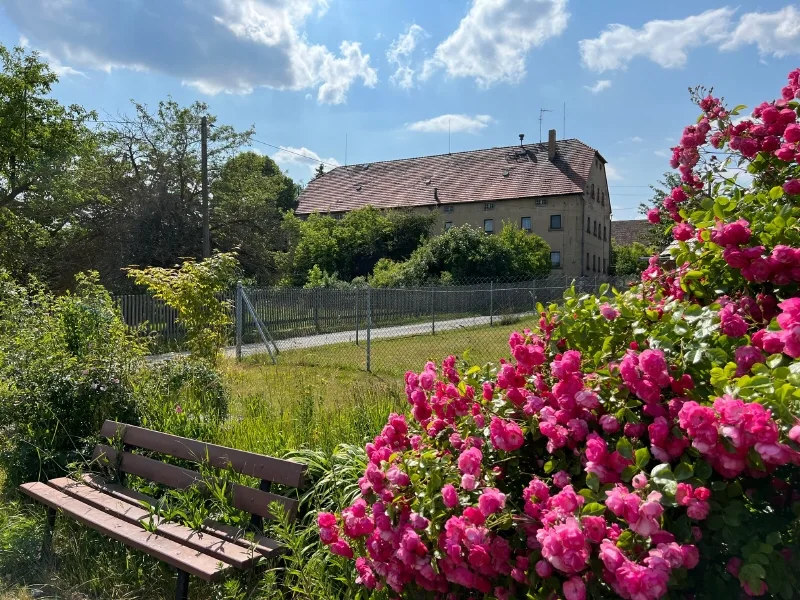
[541, 117]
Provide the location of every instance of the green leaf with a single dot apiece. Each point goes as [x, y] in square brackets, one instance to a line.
[593, 482]
[774, 538]
[694, 274]
[549, 466]
[643, 458]
[624, 448]
[774, 361]
[702, 469]
[776, 193]
[594, 509]
[628, 472]
[683, 471]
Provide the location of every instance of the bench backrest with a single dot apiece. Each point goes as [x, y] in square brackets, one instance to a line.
[254, 501]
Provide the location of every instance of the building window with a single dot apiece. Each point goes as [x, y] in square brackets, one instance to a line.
[592, 191]
[488, 206]
[604, 232]
[603, 199]
[541, 202]
[488, 225]
[595, 229]
[587, 262]
[555, 259]
[448, 225]
[594, 262]
[525, 224]
[555, 221]
[604, 265]
[448, 209]
[588, 225]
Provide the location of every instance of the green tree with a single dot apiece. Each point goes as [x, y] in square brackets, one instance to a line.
[465, 253]
[193, 290]
[630, 259]
[148, 207]
[43, 145]
[249, 199]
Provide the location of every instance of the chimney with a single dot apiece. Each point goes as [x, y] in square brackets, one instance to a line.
[551, 144]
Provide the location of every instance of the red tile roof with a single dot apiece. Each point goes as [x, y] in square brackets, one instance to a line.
[474, 176]
[625, 233]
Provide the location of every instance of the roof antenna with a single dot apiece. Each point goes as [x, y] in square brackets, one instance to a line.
[521, 137]
[541, 117]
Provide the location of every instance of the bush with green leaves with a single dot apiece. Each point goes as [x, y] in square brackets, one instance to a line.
[66, 365]
[193, 289]
[467, 252]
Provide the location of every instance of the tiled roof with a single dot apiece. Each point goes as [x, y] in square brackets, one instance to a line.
[625, 233]
[475, 176]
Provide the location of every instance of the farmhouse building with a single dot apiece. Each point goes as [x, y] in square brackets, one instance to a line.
[556, 190]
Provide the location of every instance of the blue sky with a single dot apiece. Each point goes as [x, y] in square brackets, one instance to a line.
[389, 76]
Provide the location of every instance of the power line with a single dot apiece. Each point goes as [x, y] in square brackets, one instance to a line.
[316, 160]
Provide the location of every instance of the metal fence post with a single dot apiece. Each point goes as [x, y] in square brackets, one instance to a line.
[239, 320]
[491, 303]
[356, 316]
[433, 312]
[369, 329]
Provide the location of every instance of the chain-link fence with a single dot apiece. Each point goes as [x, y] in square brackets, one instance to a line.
[384, 330]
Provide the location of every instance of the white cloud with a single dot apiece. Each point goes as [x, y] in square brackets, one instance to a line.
[55, 65]
[776, 33]
[662, 153]
[452, 123]
[400, 52]
[664, 42]
[493, 39]
[231, 46]
[612, 174]
[288, 157]
[602, 84]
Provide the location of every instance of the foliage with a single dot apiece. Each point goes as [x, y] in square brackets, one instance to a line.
[183, 397]
[250, 196]
[351, 246]
[641, 444]
[317, 278]
[630, 259]
[467, 252]
[66, 365]
[658, 236]
[43, 144]
[193, 290]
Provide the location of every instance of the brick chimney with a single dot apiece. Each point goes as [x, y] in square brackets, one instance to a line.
[551, 144]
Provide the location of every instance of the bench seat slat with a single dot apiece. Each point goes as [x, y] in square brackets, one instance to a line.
[181, 557]
[243, 497]
[267, 468]
[264, 545]
[221, 549]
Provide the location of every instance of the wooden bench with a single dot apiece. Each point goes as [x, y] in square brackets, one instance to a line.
[122, 513]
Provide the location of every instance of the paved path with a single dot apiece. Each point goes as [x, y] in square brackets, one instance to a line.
[326, 339]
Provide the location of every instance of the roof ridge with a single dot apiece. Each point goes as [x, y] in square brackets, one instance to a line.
[378, 162]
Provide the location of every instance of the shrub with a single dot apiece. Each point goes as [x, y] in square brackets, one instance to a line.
[638, 445]
[182, 397]
[193, 289]
[66, 367]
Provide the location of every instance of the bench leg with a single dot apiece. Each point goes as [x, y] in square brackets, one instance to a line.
[182, 588]
[47, 543]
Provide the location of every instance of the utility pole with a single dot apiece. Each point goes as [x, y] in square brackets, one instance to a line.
[204, 162]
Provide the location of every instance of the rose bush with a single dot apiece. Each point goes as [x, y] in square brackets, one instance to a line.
[637, 444]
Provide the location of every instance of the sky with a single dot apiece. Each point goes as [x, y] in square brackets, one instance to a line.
[358, 81]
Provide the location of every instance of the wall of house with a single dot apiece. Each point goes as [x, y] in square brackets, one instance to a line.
[597, 243]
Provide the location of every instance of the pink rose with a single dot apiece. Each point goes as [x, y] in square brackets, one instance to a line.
[505, 435]
[792, 187]
[574, 589]
[654, 216]
[609, 312]
[609, 423]
[561, 479]
[491, 501]
[682, 232]
[449, 496]
[469, 462]
[544, 568]
[746, 357]
[342, 548]
[639, 481]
